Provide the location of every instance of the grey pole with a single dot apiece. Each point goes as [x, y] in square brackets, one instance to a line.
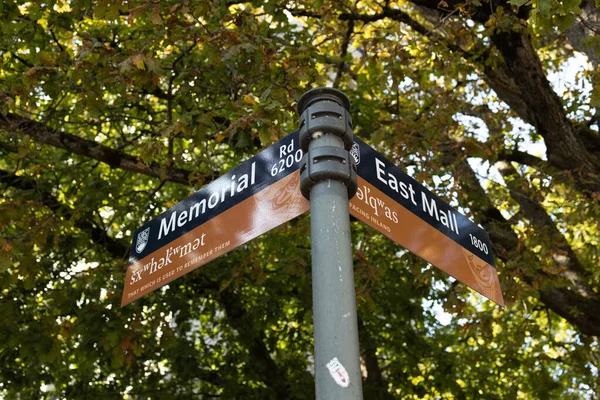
[328, 179]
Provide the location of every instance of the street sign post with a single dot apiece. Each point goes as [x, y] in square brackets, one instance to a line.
[402, 209]
[328, 178]
[249, 200]
[324, 163]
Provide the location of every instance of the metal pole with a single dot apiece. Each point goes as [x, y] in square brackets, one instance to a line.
[328, 177]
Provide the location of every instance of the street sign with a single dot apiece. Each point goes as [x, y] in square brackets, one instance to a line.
[249, 200]
[265, 191]
[402, 209]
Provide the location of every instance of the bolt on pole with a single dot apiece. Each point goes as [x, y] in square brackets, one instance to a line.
[328, 179]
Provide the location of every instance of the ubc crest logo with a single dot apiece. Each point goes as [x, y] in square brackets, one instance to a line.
[355, 152]
[142, 240]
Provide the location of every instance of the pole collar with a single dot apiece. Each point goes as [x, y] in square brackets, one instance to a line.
[328, 162]
[324, 111]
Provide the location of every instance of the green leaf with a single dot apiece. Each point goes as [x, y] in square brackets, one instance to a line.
[265, 137]
[571, 5]
[265, 94]
[155, 15]
[544, 6]
[138, 61]
[519, 3]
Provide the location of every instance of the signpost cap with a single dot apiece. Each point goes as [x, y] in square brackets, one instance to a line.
[322, 94]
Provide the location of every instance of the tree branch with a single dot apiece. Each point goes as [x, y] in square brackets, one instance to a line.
[346, 67]
[519, 81]
[62, 49]
[25, 62]
[374, 382]
[562, 254]
[523, 158]
[566, 150]
[43, 134]
[115, 247]
[254, 341]
[344, 52]
[296, 12]
[569, 304]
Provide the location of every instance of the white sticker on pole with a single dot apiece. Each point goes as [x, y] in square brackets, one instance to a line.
[338, 372]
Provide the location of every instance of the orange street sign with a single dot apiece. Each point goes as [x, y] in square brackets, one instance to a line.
[402, 209]
[251, 199]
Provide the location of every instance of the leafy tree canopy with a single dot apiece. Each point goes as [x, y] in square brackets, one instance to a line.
[113, 111]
